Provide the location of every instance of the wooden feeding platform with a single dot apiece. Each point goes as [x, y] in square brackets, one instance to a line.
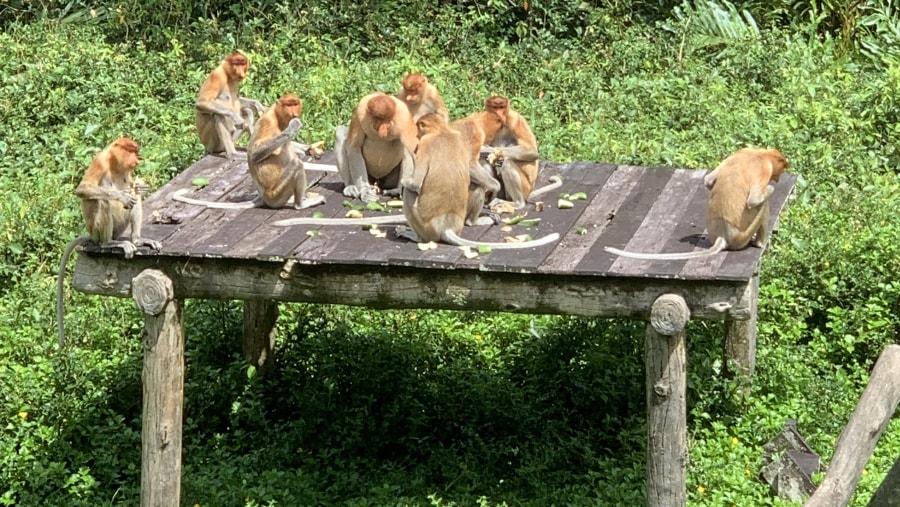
[240, 254]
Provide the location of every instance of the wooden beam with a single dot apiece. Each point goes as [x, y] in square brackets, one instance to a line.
[163, 379]
[260, 317]
[665, 357]
[855, 445]
[740, 335]
[384, 287]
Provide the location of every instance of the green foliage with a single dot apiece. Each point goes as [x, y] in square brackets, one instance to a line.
[441, 408]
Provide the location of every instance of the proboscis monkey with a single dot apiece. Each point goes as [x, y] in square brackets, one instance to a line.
[436, 196]
[475, 129]
[274, 166]
[738, 210]
[517, 155]
[276, 169]
[222, 116]
[110, 203]
[377, 146]
[421, 97]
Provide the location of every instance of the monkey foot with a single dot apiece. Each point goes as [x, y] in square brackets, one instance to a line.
[310, 201]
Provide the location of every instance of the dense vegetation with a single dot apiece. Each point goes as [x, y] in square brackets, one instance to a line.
[440, 408]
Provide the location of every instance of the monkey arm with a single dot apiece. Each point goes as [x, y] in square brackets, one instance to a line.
[710, 179]
[759, 194]
[94, 192]
[212, 106]
[515, 152]
[357, 184]
[411, 175]
[259, 151]
[480, 177]
[255, 104]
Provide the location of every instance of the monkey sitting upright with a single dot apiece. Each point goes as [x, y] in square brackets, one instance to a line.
[738, 210]
[436, 194]
[110, 204]
[221, 115]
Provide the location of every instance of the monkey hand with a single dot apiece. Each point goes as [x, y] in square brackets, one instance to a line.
[293, 126]
[140, 187]
[152, 243]
[128, 199]
[495, 159]
[238, 121]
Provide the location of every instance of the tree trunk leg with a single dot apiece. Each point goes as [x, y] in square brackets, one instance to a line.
[163, 379]
[740, 336]
[260, 318]
[665, 357]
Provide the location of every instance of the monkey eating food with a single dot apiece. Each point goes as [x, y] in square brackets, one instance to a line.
[110, 204]
[378, 145]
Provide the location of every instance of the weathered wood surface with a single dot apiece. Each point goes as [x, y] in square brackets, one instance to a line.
[665, 356]
[163, 379]
[384, 287]
[639, 208]
[877, 404]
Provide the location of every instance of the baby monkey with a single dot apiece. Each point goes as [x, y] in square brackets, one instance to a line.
[738, 210]
[110, 203]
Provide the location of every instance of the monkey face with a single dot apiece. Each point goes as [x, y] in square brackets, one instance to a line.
[236, 67]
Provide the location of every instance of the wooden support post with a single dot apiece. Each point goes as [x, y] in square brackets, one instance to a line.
[260, 317]
[740, 335]
[665, 357]
[163, 378]
[855, 445]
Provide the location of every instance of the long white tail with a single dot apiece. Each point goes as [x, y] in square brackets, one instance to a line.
[178, 195]
[452, 238]
[555, 182]
[717, 247]
[384, 219]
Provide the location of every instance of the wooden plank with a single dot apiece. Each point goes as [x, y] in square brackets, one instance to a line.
[688, 230]
[659, 223]
[626, 219]
[573, 247]
[577, 177]
[233, 231]
[619, 203]
[398, 287]
[268, 241]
